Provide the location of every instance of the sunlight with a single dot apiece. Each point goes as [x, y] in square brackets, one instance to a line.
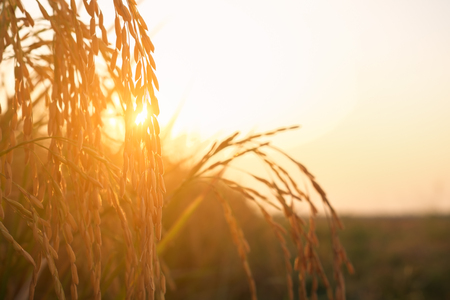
[112, 122]
[111, 117]
[232, 82]
[140, 118]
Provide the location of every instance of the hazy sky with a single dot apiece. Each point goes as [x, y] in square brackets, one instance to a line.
[369, 81]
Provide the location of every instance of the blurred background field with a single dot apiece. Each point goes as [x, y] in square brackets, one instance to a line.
[398, 257]
[394, 257]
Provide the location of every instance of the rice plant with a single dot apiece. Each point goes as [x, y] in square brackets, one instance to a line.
[81, 209]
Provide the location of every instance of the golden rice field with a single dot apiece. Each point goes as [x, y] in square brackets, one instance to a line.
[88, 213]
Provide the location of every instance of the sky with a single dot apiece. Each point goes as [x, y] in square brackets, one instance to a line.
[368, 81]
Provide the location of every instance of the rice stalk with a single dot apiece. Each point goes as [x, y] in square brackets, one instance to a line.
[58, 84]
[280, 190]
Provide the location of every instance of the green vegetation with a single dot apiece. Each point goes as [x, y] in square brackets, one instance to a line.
[398, 258]
[394, 258]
